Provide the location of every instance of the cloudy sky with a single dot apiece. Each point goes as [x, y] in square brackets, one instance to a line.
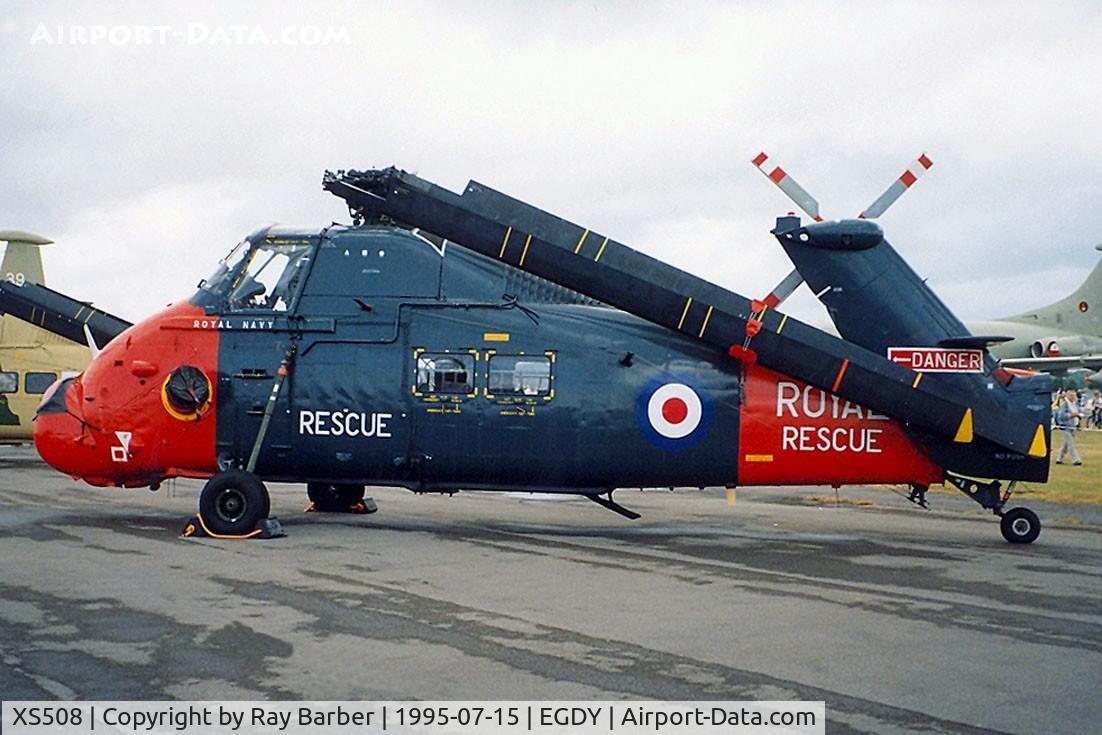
[147, 154]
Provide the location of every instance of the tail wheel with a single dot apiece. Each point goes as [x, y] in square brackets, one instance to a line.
[329, 498]
[233, 502]
[1020, 526]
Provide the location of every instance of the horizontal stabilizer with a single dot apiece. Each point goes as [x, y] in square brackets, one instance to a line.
[1092, 361]
[21, 236]
[972, 342]
[55, 312]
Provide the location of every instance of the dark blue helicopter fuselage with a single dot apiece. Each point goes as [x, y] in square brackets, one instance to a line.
[362, 405]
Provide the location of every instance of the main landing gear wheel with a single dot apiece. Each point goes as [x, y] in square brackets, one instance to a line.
[233, 503]
[329, 498]
[1020, 526]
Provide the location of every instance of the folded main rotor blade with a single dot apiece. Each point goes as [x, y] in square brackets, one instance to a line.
[538, 242]
[55, 312]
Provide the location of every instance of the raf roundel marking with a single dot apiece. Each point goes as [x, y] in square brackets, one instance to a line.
[672, 414]
[1084, 306]
[674, 410]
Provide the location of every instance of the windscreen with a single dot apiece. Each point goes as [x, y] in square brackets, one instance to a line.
[258, 275]
[227, 266]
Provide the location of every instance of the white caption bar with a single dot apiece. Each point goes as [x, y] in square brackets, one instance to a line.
[424, 718]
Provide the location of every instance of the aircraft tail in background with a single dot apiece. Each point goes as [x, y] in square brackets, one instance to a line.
[22, 258]
[1080, 312]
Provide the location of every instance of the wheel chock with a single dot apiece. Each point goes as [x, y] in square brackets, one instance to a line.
[267, 528]
[364, 507]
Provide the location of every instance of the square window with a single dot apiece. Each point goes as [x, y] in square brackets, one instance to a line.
[520, 375]
[37, 383]
[445, 373]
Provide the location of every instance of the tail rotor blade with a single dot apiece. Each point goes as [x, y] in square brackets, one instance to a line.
[784, 289]
[900, 185]
[788, 185]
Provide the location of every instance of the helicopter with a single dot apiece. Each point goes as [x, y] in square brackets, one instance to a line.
[445, 342]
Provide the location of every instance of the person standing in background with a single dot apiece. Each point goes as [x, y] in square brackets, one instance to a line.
[1067, 419]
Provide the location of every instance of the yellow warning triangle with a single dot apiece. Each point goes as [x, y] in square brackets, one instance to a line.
[1039, 447]
[964, 431]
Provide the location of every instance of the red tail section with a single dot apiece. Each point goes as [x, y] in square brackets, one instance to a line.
[794, 434]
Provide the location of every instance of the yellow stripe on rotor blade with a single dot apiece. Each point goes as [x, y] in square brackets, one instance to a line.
[578, 247]
[600, 251]
[704, 326]
[685, 313]
[524, 253]
[964, 431]
[505, 242]
[1039, 447]
[918, 379]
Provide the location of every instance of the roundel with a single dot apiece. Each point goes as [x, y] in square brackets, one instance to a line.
[1083, 306]
[672, 414]
[674, 410]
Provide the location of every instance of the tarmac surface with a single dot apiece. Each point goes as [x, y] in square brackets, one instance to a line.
[901, 620]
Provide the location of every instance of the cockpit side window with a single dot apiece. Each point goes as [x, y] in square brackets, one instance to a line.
[271, 276]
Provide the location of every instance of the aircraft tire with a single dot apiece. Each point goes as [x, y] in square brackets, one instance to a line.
[329, 498]
[1020, 526]
[233, 502]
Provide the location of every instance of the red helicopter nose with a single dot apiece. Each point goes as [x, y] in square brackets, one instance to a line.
[60, 434]
[142, 411]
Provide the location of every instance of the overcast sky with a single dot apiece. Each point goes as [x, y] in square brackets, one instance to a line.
[147, 161]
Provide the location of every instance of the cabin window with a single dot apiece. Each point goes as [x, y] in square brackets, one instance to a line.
[520, 375]
[271, 276]
[37, 383]
[9, 382]
[451, 373]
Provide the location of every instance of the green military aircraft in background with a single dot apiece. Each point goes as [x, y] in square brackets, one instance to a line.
[1063, 338]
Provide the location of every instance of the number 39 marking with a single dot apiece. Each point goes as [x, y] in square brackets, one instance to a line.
[17, 278]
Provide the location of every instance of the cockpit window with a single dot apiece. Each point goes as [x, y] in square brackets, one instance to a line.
[271, 275]
[226, 266]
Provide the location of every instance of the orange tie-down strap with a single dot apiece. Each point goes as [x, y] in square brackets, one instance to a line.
[269, 528]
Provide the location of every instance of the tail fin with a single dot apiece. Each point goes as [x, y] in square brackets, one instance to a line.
[1079, 312]
[22, 264]
[22, 258]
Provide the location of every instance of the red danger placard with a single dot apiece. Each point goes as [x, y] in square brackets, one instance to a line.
[937, 359]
